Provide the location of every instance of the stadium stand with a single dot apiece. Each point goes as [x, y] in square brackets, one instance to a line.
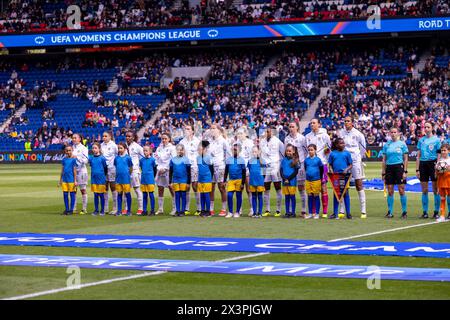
[374, 84]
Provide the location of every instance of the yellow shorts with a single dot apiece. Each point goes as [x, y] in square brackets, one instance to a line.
[123, 188]
[68, 187]
[289, 190]
[147, 187]
[256, 188]
[204, 187]
[98, 188]
[234, 185]
[313, 187]
[180, 187]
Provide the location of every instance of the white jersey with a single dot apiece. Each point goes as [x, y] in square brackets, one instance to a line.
[322, 141]
[300, 143]
[136, 152]
[110, 152]
[272, 151]
[191, 149]
[81, 152]
[164, 154]
[218, 149]
[231, 141]
[246, 150]
[355, 143]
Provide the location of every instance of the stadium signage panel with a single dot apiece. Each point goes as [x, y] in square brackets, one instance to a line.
[407, 249]
[374, 153]
[31, 157]
[232, 32]
[253, 268]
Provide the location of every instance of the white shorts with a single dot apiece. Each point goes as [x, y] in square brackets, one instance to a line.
[194, 173]
[82, 180]
[162, 180]
[301, 176]
[273, 173]
[358, 170]
[219, 174]
[111, 174]
[135, 179]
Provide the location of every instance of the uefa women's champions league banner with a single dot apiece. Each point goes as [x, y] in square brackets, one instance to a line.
[261, 31]
[31, 157]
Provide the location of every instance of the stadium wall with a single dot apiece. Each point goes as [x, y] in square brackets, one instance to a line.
[373, 154]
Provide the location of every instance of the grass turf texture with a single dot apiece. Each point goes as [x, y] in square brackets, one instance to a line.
[31, 202]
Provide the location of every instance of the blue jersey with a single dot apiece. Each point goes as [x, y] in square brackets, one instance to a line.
[288, 170]
[98, 169]
[123, 165]
[68, 164]
[394, 152]
[312, 168]
[340, 160]
[235, 167]
[256, 169]
[148, 169]
[428, 148]
[204, 171]
[181, 167]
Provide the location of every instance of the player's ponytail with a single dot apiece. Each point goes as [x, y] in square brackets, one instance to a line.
[296, 158]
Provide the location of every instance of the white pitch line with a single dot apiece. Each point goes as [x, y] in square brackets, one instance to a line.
[388, 230]
[147, 274]
[91, 284]
[107, 281]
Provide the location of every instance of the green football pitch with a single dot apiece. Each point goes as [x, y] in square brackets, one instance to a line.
[31, 202]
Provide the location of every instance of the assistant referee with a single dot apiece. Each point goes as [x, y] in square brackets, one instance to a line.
[395, 170]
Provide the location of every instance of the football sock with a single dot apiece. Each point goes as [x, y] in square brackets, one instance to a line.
[403, 200]
[425, 202]
[66, 200]
[238, 201]
[230, 201]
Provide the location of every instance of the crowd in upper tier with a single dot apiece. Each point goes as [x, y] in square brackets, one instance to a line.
[43, 15]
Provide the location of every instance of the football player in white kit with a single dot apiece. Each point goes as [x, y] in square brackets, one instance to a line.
[246, 153]
[110, 151]
[218, 151]
[272, 151]
[299, 141]
[82, 154]
[164, 153]
[355, 143]
[136, 152]
[191, 143]
[321, 139]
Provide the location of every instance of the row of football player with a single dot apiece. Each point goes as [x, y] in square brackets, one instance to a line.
[235, 176]
[272, 152]
[272, 149]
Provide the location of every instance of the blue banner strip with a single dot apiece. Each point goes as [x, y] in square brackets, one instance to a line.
[250, 268]
[405, 249]
[270, 31]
